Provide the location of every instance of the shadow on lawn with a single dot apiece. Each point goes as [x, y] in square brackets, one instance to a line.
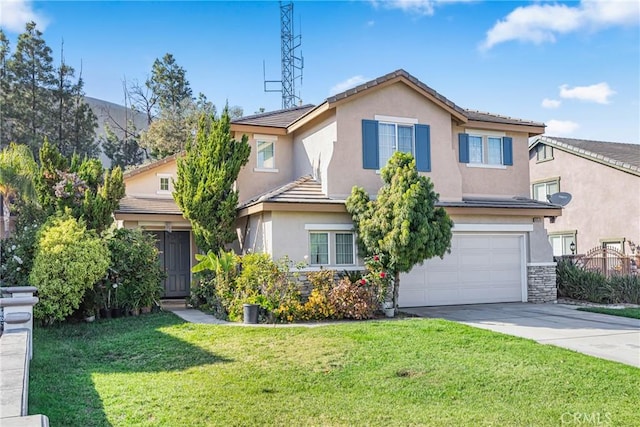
[66, 357]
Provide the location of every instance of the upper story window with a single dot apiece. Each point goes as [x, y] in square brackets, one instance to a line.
[385, 135]
[485, 149]
[164, 183]
[265, 153]
[393, 137]
[543, 153]
[542, 190]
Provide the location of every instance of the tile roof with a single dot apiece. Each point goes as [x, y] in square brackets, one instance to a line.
[302, 190]
[616, 154]
[496, 118]
[135, 170]
[278, 118]
[510, 202]
[141, 205]
[391, 76]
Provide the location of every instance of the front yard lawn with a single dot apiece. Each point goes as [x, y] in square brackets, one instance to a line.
[633, 313]
[158, 370]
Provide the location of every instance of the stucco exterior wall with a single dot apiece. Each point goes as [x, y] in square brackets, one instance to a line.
[397, 100]
[605, 201]
[147, 183]
[254, 234]
[489, 182]
[252, 182]
[313, 150]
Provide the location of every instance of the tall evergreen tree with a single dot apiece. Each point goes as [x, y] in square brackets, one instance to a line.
[122, 151]
[402, 223]
[32, 74]
[5, 87]
[169, 83]
[204, 187]
[74, 122]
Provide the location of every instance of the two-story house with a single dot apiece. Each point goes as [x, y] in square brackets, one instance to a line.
[305, 160]
[603, 179]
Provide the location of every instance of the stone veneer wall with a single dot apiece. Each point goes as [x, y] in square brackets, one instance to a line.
[541, 282]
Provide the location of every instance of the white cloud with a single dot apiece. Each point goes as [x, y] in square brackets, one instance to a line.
[551, 103]
[560, 127]
[347, 84]
[419, 7]
[599, 93]
[16, 13]
[539, 23]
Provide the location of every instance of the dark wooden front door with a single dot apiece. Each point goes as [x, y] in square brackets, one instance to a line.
[175, 257]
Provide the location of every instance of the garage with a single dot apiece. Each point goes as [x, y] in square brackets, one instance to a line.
[481, 268]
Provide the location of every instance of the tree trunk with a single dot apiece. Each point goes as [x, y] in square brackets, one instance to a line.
[396, 288]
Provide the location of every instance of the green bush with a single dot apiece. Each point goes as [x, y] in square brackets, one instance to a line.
[68, 261]
[17, 252]
[134, 260]
[580, 284]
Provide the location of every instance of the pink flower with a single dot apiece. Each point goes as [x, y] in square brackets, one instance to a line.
[383, 274]
[376, 258]
[363, 282]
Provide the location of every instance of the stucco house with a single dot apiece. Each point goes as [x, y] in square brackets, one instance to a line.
[603, 179]
[305, 160]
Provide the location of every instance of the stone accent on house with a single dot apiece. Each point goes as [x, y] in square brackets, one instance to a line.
[305, 287]
[541, 282]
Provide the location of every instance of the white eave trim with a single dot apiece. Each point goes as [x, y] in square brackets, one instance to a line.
[493, 227]
[329, 227]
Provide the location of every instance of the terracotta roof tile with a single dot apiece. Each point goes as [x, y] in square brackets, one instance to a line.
[141, 205]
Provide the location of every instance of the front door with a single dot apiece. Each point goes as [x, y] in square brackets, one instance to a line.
[174, 254]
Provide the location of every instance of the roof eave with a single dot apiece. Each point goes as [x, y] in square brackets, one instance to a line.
[530, 129]
[270, 130]
[309, 116]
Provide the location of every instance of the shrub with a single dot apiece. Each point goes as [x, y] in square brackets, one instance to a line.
[353, 300]
[68, 261]
[577, 283]
[318, 306]
[134, 259]
[17, 252]
[625, 289]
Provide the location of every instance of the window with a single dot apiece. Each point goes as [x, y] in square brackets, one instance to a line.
[386, 135]
[543, 153]
[481, 149]
[561, 243]
[614, 243]
[265, 154]
[164, 183]
[344, 248]
[393, 137]
[542, 190]
[331, 244]
[319, 248]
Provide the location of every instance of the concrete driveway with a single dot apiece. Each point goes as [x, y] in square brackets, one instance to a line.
[600, 335]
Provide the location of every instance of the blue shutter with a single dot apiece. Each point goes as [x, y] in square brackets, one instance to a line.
[463, 147]
[370, 144]
[507, 151]
[423, 148]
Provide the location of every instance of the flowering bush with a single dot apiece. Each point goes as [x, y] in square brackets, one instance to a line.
[17, 252]
[378, 278]
[318, 306]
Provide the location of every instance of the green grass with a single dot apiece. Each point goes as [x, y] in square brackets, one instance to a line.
[158, 370]
[633, 313]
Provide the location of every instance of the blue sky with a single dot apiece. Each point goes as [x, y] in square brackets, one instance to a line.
[573, 65]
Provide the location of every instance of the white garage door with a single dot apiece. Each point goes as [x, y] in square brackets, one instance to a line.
[481, 268]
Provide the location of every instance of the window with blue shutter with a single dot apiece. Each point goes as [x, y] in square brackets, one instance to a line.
[423, 148]
[370, 144]
[485, 149]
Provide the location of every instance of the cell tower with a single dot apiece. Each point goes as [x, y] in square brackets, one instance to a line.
[292, 64]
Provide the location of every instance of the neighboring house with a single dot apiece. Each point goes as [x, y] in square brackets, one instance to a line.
[305, 160]
[603, 179]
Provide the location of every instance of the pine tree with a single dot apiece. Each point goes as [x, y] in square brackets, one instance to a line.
[204, 187]
[31, 72]
[5, 90]
[169, 84]
[123, 151]
[403, 223]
